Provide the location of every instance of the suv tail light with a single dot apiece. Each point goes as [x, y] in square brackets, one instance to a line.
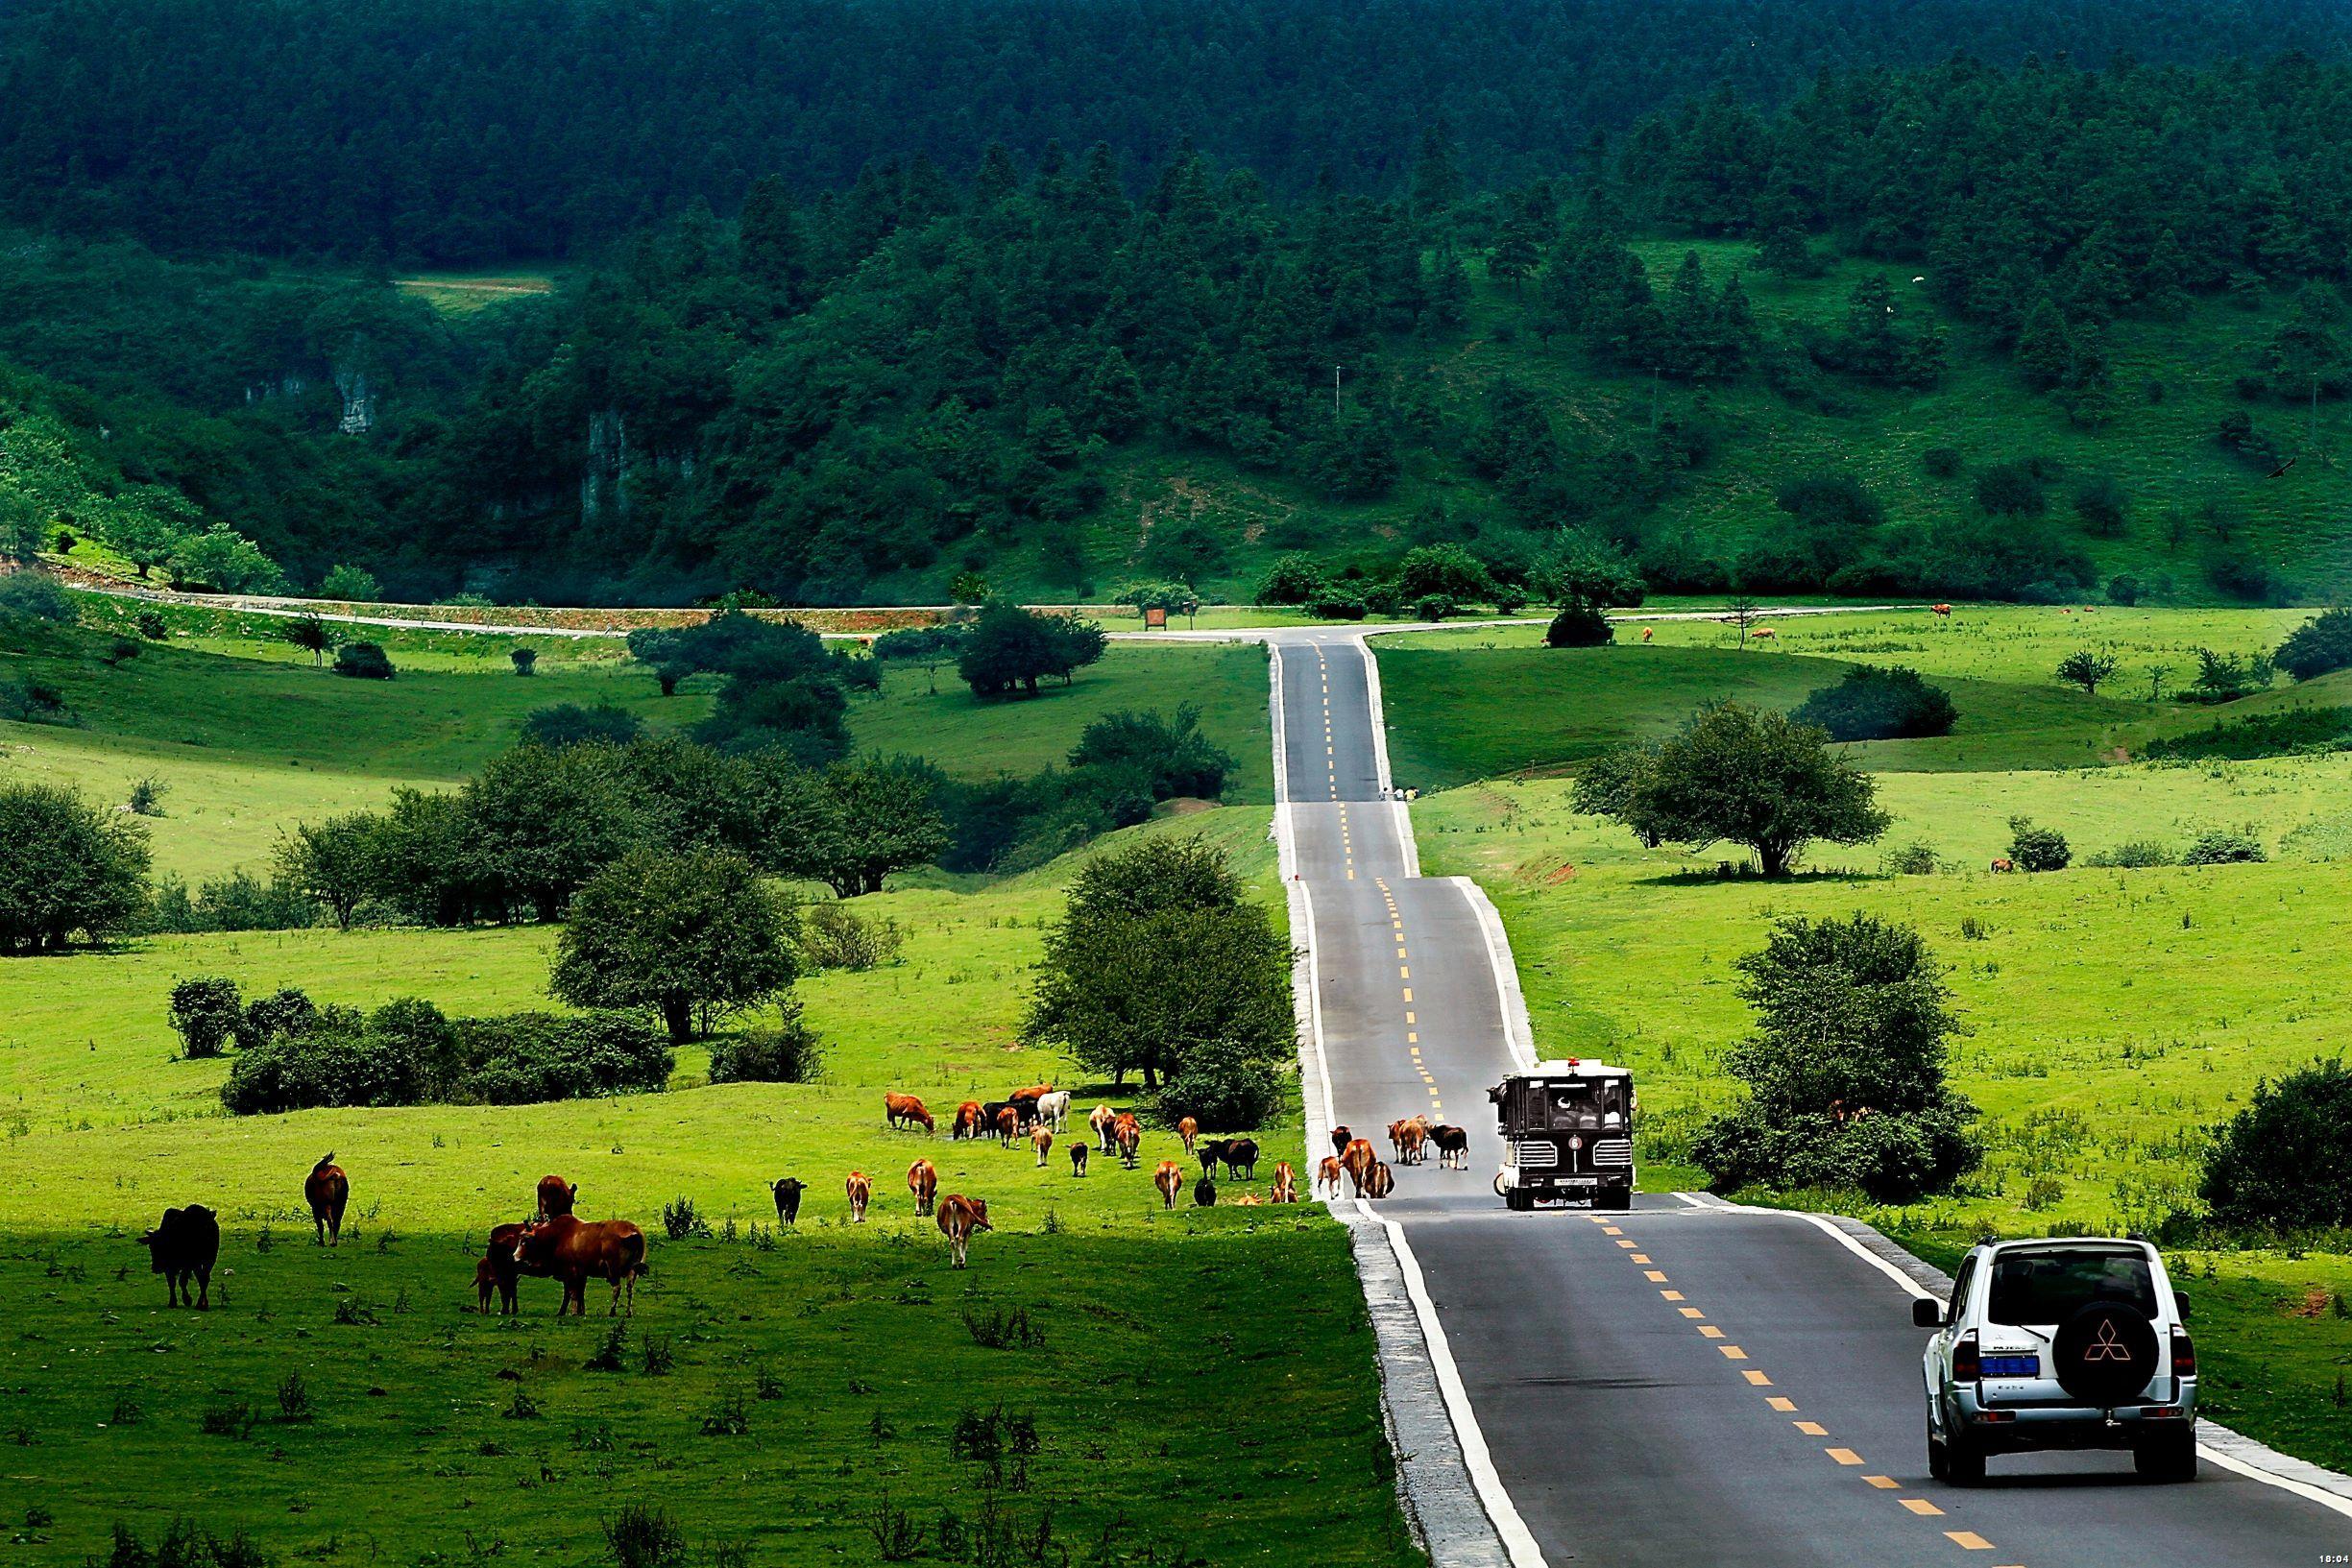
[2184, 1355]
[1966, 1364]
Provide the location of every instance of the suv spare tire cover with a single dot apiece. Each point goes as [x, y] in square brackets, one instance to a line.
[2105, 1353]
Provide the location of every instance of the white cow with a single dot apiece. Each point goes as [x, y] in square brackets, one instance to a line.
[1055, 1108]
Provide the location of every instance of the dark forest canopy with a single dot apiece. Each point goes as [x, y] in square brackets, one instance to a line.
[457, 131]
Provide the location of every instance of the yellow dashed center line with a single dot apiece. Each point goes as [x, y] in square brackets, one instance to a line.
[1921, 1507]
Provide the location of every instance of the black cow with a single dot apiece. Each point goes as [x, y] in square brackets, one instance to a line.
[787, 1199]
[988, 1114]
[1205, 1192]
[1209, 1152]
[1077, 1157]
[1241, 1158]
[1453, 1147]
[187, 1242]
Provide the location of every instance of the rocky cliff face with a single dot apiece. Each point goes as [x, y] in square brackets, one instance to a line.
[358, 402]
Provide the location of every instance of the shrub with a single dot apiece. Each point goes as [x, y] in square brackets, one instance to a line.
[2044, 1191]
[1171, 754]
[2103, 506]
[363, 662]
[32, 702]
[522, 1059]
[407, 1054]
[1444, 572]
[681, 1219]
[1918, 859]
[642, 1535]
[153, 626]
[36, 595]
[1875, 704]
[287, 1011]
[2124, 589]
[2218, 847]
[1335, 605]
[1580, 624]
[68, 867]
[524, 659]
[2011, 490]
[1223, 1086]
[1941, 462]
[2320, 644]
[835, 936]
[2263, 735]
[204, 1012]
[2282, 1162]
[790, 1053]
[2037, 849]
[570, 724]
[2134, 855]
[353, 583]
[1293, 579]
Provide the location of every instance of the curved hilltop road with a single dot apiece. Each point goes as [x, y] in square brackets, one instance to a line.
[1685, 1384]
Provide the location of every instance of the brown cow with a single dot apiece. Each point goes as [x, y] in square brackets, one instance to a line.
[1100, 1119]
[1127, 1133]
[576, 1250]
[1250, 1200]
[1034, 1093]
[1286, 1183]
[1188, 1129]
[2004, 866]
[556, 1196]
[496, 1269]
[1340, 1138]
[328, 1190]
[1416, 1140]
[1381, 1182]
[1359, 1160]
[958, 1218]
[861, 1189]
[967, 1120]
[1041, 1139]
[922, 1181]
[1008, 1124]
[898, 1110]
[1077, 1157]
[1396, 1138]
[1169, 1178]
[1327, 1173]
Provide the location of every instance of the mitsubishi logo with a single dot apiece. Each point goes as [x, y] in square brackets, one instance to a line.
[2106, 1347]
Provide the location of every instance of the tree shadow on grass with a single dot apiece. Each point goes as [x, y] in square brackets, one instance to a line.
[1749, 876]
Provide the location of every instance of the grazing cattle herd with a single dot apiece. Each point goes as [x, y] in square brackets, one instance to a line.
[556, 1243]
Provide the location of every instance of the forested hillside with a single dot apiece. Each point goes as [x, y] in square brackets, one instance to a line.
[1957, 330]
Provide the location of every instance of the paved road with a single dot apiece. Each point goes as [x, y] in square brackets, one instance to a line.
[1686, 1384]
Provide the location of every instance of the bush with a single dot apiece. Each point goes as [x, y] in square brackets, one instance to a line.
[2263, 735]
[1580, 624]
[790, 1053]
[570, 724]
[2135, 854]
[2103, 506]
[1293, 579]
[1895, 1157]
[1432, 607]
[32, 702]
[1918, 859]
[641, 1535]
[524, 659]
[335, 1061]
[2282, 1162]
[204, 1012]
[1941, 462]
[1874, 704]
[2037, 849]
[153, 626]
[835, 936]
[353, 583]
[66, 867]
[1171, 754]
[1447, 572]
[1223, 1086]
[2320, 644]
[2218, 847]
[523, 1058]
[1331, 604]
[407, 1054]
[287, 1011]
[2124, 589]
[2011, 490]
[26, 594]
[363, 662]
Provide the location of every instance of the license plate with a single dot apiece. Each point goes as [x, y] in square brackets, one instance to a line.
[1583, 1181]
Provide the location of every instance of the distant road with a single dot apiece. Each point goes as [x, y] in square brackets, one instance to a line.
[1689, 1384]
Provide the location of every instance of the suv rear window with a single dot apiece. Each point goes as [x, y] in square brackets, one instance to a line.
[2051, 1287]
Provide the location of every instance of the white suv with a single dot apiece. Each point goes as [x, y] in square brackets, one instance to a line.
[2074, 1343]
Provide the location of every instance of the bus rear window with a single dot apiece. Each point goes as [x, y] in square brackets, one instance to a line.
[2046, 1287]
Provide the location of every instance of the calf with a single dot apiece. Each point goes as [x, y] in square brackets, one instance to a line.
[1241, 1158]
[1008, 1124]
[1286, 1183]
[1358, 1160]
[185, 1243]
[1188, 1129]
[1340, 1138]
[1381, 1182]
[496, 1269]
[1169, 1178]
[1053, 1109]
[1327, 1173]
[1453, 1145]
[1205, 1192]
[1396, 1138]
[1250, 1200]
[787, 1199]
[958, 1218]
[1127, 1133]
[327, 1189]
[1100, 1119]
[904, 1111]
[922, 1181]
[1209, 1154]
[1077, 1157]
[556, 1196]
[861, 1189]
[967, 1120]
[574, 1251]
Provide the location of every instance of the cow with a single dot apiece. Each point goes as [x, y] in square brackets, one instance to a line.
[1381, 1182]
[861, 1189]
[922, 1181]
[1940, 610]
[1327, 1173]
[1648, 632]
[967, 1120]
[1008, 1124]
[327, 1189]
[1286, 1183]
[1205, 1192]
[1359, 1160]
[958, 1218]
[905, 1110]
[185, 1242]
[1250, 1200]
[1241, 1158]
[1041, 1139]
[1340, 1138]
[1034, 1093]
[556, 1196]
[1100, 1119]
[497, 1269]
[1396, 1138]
[1763, 634]
[1415, 1141]
[1188, 1129]
[1127, 1133]
[576, 1250]
[1053, 1109]
[2004, 866]
[1209, 1154]
[1453, 1145]
[1077, 1157]
[1169, 1178]
[787, 1199]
